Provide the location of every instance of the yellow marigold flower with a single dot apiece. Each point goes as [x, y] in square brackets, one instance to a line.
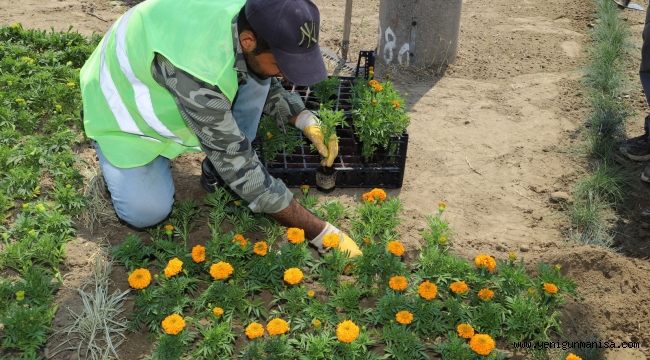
[311, 293]
[404, 317]
[169, 229]
[254, 330]
[512, 256]
[261, 248]
[396, 104]
[198, 253]
[174, 266]
[367, 241]
[316, 323]
[139, 278]
[237, 202]
[442, 240]
[304, 189]
[398, 283]
[459, 287]
[371, 71]
[240, 239]
[485, 294]
[15, 25]
[551, 288]
[532, 291]
[442, 206]
[173, 324]
[428, 290]
[485, 262]
[395, 247]
[20, 295]
[293, 276]
[347, 331]
[482, 344]
[277, 327]
[558, 267]
[217, 311]
[269, 135]
[331, 240]
[572, 356]
[373, 102]
[221, 270]
[466, 331]
[295, 235]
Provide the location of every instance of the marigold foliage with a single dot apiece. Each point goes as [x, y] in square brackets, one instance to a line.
[482, 344]
[395, 247]
[174, 266]
[173, 324]
[347, 331]
[198, 253]
[139, 278]
[221, 270]
[295, 235]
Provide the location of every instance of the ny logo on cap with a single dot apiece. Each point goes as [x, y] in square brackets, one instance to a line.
[309, 34]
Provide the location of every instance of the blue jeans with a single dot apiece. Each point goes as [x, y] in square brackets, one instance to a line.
[143, 196]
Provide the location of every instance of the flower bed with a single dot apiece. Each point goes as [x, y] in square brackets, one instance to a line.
[254, 290]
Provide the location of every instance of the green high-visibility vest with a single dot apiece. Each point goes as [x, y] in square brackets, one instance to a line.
[132, 117]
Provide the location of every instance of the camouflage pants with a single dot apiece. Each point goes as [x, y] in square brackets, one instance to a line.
[143, 196]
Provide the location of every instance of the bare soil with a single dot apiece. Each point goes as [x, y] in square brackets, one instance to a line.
[493, 137]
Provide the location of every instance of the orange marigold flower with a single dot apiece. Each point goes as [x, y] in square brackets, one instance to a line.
[174, 266]
[396, 104]
[374, 195]
[572, 356]
[217, 311]
[139, 278]
[240, 239]
[254, 330]
[277, 327]
[395, 247]
[373, 82]
[404, 317]
[293, 276]
[485, 294]
[398, 283]
[466, 331]
[261, 248]
[173, 324]
[482, 344]
[331, 240]
[459, 287]
[428, 290]
[551, 288]
[485, 262]
[347, 331]
[296, 235]
[168, 228]
[198, 253]
[221, 270]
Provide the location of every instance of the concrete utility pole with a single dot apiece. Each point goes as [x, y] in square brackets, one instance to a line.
[418, 33]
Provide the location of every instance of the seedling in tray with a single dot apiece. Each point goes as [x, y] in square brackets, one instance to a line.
[330, 120]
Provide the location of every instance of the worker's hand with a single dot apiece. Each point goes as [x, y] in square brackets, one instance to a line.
[310, 126]
[346, 244]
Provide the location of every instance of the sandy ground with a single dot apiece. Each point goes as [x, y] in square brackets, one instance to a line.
[493, 138]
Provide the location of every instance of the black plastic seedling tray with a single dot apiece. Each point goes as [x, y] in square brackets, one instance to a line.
[385, 169]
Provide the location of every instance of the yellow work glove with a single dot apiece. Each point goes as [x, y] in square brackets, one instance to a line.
[346, 244]
[309, 124]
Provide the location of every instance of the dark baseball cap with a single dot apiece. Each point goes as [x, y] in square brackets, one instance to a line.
[291, 28]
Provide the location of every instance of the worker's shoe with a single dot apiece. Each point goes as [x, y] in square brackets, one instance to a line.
[638, 148]
[210, 179]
